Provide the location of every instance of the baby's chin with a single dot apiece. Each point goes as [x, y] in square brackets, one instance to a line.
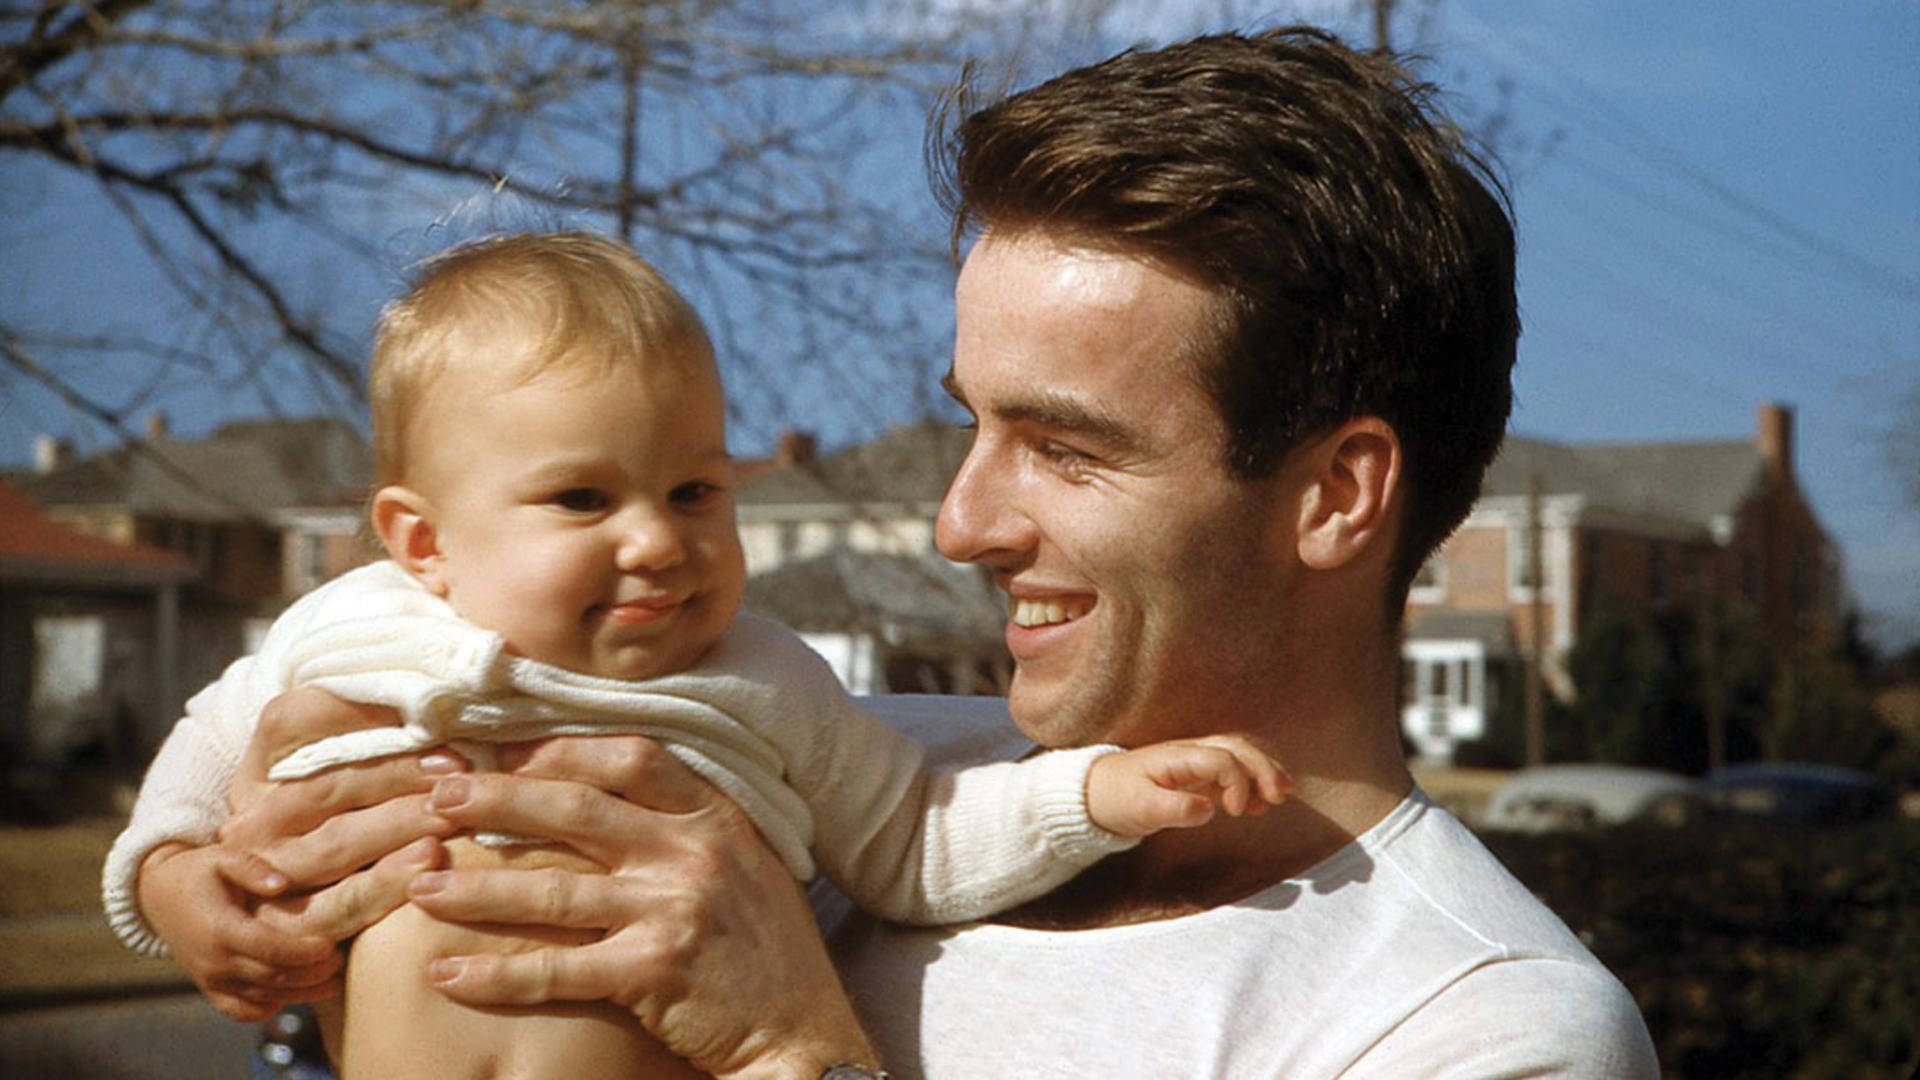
[634, 664]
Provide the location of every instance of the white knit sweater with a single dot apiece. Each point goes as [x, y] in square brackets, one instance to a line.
[761, 717]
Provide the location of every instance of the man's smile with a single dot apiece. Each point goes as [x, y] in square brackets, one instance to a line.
[1030, 612]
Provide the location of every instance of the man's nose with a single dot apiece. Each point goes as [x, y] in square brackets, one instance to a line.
[981, 519]
[649, 539]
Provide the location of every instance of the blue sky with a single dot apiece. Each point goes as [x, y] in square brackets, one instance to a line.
[1718, 205]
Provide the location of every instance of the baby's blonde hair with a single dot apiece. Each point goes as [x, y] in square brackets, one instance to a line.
[578, 299]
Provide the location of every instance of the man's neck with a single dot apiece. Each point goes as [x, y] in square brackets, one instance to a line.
[1180, 872]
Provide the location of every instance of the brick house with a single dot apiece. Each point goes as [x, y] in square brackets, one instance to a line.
[258, 512]
[106, 617]
[1644, 528]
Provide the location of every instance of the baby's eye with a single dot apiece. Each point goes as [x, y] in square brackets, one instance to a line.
[580, 500]
[693, 493]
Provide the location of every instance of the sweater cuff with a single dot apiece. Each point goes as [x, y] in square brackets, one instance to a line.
[120, 879]
[1060, 805]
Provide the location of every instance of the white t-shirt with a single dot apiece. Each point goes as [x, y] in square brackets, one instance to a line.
[1409, 953]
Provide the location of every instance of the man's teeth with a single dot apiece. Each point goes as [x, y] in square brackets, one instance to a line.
[1047, 612]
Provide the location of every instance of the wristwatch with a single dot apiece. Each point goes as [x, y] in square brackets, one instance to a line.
[847, 1070]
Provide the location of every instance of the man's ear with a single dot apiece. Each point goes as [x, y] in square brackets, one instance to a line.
[1347, 501]
[403, 518]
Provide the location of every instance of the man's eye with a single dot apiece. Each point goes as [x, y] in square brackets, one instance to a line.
[580, 500]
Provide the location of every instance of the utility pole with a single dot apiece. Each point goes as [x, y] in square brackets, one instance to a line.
[1713, 690]
[1536, 629]
[1382, 25]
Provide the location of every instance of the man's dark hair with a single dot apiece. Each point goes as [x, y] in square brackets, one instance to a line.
[1361, 250]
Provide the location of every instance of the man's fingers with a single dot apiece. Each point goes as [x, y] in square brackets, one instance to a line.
[298, 806]
[601, 826]
[582, 973]
[349, 841]
[242, 1009]
[358, 901]
[278, 947]
[634, 767]
[546, 897]
[249, 873]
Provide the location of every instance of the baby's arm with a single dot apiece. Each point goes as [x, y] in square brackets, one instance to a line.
[167, 886]
[1176, 785]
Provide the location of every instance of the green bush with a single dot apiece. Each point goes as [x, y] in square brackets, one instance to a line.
[1752, 951]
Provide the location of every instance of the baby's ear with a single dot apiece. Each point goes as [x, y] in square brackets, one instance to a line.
[403, 517]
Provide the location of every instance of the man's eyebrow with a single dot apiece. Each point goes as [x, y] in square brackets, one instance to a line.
[1062, 412]
[1053, 409]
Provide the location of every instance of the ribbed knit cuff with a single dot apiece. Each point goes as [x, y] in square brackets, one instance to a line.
[1060, 803]
[120, 878]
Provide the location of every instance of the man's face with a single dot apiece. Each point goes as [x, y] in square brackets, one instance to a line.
[1140, 573]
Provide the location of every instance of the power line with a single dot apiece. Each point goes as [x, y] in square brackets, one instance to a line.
[1626, 132]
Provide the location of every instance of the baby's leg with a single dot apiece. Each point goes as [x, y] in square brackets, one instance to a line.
[397, 1026]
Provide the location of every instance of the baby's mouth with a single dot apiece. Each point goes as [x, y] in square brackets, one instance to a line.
[1049, 612]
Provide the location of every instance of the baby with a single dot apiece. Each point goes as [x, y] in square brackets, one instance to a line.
[556, 503]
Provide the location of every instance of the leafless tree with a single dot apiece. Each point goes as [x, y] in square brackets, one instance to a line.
[281, 160]
[1903, 444]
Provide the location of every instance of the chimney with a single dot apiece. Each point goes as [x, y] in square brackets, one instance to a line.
[51, 454]
[796, 448]
[1774, 440]
[156, 427]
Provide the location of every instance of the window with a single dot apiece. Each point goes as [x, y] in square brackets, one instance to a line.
[314, 545]
[1520, 570]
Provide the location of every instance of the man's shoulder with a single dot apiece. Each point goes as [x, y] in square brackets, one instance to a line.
[1532, 1016]
[1525, 996]
[1463, 884]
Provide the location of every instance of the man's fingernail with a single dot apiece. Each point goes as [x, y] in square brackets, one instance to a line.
[445, 970]
[274, 880]
[427, 884]
[440, 763]
[451, 792]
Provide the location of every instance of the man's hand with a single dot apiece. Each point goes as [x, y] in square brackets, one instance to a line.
[1177, 784]
[325, 832]
[708, 940]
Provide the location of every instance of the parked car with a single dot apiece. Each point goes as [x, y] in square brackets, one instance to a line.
[1793, 793]
[1545, 798]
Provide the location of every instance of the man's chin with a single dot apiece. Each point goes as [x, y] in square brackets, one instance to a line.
[1046, 714]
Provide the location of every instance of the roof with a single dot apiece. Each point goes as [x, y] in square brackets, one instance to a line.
[1693, 482]
[1492, 629]
[905, 598]
[247, 468]
[912, 463]
[33, 547]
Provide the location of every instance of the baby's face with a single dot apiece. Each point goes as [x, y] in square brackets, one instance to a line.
[586, 518]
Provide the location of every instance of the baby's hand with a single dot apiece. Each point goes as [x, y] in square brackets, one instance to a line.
[1177, 784]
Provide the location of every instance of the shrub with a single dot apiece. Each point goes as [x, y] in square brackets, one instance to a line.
[1753, 951]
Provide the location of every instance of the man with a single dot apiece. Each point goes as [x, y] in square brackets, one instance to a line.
[1237, 334]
